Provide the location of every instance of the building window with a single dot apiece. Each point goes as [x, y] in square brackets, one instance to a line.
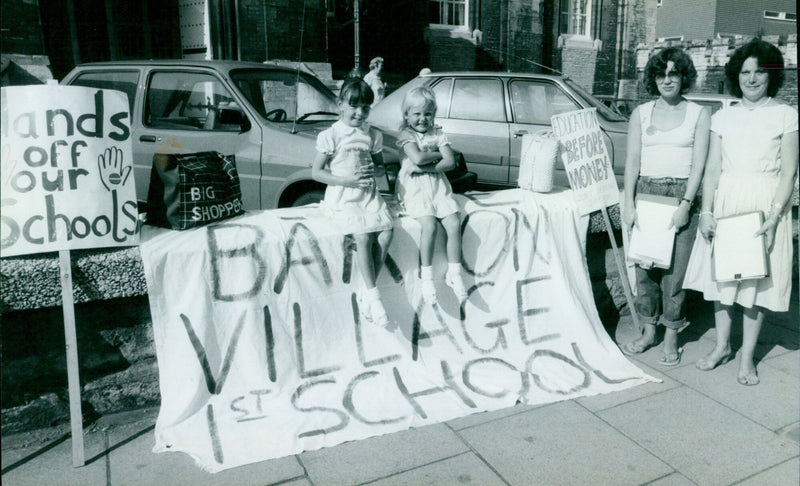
[447, 12]
[574, 17]
[773, 15]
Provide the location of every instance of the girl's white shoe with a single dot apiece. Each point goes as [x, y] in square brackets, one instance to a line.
[378, 313]
[364, 307]
[428, 291]
[453, 280]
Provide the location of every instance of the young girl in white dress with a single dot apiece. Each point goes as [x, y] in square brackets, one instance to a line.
[424, 191]
[348, 153]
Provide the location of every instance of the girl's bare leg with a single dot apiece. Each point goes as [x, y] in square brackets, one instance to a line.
[723, 316]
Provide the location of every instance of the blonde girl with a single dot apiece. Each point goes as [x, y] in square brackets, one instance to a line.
[424, 191]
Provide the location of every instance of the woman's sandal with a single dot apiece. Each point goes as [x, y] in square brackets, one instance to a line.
[671, 359]
[749, 379]
[635, 347]
[705, 364]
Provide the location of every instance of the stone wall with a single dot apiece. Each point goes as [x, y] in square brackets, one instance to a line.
[710, 57]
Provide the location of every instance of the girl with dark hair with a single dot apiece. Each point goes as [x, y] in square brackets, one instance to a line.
[752, 163]
[348, 152]
[667, 147]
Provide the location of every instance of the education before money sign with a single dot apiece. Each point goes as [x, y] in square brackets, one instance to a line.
[589, 167]
[66, 170]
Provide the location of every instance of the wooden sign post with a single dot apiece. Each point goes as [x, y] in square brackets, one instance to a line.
[66, 168]
[590, 171]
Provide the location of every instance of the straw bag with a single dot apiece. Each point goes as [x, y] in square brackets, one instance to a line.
[537, 162]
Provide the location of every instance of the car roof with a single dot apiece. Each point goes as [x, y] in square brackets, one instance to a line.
[502, 74]
[215, 64]
[709, 96]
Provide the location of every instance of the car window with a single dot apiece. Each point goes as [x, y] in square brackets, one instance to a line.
[125, 81]
[286, 96]
[442, 92]
[187, 101]
[478, 99]
[714, 105]
[535, 101]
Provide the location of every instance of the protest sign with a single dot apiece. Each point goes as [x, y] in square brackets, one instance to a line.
[590, 171]
[65, 179]
[589, 167]
[262, 352]
[65, 168]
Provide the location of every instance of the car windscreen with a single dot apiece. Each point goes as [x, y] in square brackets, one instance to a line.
[286, 96]
[602, 109]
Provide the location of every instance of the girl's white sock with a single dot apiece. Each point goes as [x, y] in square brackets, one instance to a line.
[372, 294]
[426, 272]
[454, 268]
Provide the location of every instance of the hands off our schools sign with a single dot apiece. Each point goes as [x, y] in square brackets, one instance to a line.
[590, 169]
[66, 170]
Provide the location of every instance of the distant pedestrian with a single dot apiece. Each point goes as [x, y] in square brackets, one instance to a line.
[348, 153]
[667, 148]
[374, 79]
[425, 192]
[752, 164]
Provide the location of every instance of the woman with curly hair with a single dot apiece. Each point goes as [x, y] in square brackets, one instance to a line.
[752, 163]
[667, 147]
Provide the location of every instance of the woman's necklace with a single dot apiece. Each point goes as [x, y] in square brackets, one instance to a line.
[753, 107]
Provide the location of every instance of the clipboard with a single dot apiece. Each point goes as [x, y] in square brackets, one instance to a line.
[737, 254]
[652, 240]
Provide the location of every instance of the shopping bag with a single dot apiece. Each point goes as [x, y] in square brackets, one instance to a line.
[190, 190]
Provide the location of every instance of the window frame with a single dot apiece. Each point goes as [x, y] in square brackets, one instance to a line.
[443, 3]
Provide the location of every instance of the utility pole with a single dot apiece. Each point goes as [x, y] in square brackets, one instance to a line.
[356, 48]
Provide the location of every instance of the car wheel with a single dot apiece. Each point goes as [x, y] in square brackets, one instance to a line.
[311, 197]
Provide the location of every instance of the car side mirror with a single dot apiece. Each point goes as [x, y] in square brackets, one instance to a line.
[227, 116]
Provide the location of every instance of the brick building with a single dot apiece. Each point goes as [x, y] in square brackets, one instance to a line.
[689, 20]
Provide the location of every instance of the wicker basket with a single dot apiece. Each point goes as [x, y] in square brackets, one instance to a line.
[538, 161]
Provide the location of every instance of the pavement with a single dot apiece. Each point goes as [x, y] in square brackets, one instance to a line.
[694, 428]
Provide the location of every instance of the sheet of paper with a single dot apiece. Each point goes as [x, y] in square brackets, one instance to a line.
[738, 253]
[652, 240]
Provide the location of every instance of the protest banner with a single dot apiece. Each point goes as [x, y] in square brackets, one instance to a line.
[65, 175]
[590, 172]
[262, 352]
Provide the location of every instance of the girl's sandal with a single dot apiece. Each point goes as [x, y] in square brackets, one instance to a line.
[706, 364]
[671, 359]
[635, 347]
[749, 379]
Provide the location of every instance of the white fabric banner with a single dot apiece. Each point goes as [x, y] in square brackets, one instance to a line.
[262, 353]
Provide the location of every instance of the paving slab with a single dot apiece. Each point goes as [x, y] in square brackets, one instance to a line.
[702, 439]
[787, 473]
[484, 417]
[789, 363]
[674, 479]
[134, 463]
[380, 457]
[562, 444]
[462, 469]
[783, 390]
[607, 400]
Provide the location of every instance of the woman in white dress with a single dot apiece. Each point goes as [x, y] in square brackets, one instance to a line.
[751, 166]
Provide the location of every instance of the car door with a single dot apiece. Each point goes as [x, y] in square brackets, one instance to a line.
[180, 115]
[533, 102]
[472, 113]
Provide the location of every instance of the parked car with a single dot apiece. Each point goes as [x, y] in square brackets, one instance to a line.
[266, 115]
[485, 115]
[714, 101]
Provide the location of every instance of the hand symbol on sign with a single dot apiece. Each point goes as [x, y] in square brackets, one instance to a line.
[112, 172]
